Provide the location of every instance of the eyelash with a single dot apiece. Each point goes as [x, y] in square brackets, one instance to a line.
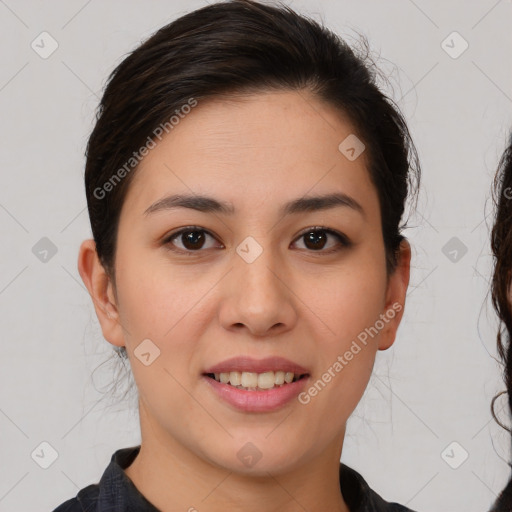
[344, 241]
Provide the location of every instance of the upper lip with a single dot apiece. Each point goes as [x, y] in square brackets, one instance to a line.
[248, 364]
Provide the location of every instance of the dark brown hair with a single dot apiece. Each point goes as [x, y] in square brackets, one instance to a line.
[240, 46]
[501, 244]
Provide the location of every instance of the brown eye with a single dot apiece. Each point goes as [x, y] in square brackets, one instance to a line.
[315, 239]
[191, 238]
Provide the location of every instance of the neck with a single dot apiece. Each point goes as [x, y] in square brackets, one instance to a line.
[172, 477]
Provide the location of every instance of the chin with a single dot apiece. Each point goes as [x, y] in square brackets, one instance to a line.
[257, 458]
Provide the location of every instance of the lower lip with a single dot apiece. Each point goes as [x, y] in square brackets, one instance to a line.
[257, 401]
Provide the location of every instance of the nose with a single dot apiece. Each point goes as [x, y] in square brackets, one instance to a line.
[258, 296]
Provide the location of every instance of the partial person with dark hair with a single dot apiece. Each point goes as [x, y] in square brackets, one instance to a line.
[246, 181]
[501, 244]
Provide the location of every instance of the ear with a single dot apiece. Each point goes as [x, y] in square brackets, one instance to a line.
[398, 283]
[101, 290]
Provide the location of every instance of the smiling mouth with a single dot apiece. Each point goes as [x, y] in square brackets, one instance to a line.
[251, 381]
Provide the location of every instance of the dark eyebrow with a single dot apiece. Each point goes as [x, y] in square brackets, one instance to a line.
[209, 204]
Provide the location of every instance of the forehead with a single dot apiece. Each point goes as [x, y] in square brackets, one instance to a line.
[263, 147]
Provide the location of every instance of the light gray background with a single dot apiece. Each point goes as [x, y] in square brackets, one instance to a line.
[432, 388]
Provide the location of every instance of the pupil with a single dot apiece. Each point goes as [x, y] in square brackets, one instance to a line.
[314, 237]
[193, 238]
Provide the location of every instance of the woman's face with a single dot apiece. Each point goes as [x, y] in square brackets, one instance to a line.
[248, 281]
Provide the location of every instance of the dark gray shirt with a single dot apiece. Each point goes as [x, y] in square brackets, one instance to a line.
[116, 492]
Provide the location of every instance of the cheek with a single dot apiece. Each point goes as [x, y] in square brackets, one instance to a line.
[346, 302]
[348, 306]
[155, 298]
[158, 305]
[168, 306]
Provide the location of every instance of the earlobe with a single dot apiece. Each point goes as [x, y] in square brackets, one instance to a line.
[395, 297]
[100, 288]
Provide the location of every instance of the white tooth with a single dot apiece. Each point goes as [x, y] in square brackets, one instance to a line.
[288, 377]
[253, 380]
[235, 378]
[266, 380]
[249, 380]
[279, 378]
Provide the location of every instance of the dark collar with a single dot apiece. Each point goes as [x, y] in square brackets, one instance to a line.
[116, 491]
